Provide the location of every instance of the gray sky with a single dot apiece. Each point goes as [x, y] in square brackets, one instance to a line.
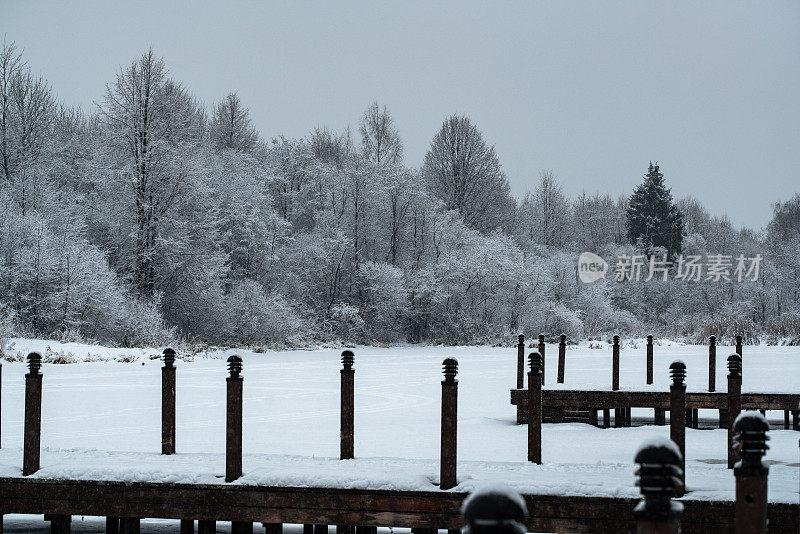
[591, 90]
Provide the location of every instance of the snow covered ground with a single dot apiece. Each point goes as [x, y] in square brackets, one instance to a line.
[101, 419]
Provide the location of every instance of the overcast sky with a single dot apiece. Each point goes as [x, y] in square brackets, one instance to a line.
[590, 90]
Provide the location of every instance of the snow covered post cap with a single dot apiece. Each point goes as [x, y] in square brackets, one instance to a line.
[750, 429]
[235, 366]
[677, 370]
[658, 478]
[649, 339]
[521, 339]
[169, 358]
[494, 509]
[734, 366]
[615, 339]
[535, 361]
[450, 369]
[34, 363]
[712, 340]
[348, 359]
[563, 339]
[541, 339]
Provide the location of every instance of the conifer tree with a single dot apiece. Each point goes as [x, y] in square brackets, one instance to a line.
[653, 219]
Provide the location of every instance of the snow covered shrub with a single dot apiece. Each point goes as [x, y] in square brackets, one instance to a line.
[261, 318]
[726, 323]
[143, 325]
[786, 328]
[385, 301]
[8, 328]
[60, 357]
[346, 322]
[562, 320]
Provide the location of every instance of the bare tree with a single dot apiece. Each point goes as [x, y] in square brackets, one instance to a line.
[149, 119]
[379, 138]
[231, 127]
[464, 172]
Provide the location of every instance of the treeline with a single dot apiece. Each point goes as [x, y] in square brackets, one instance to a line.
[150, 218]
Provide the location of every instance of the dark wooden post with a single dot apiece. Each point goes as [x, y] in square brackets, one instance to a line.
[659, 478]
[187, 526]
[649, 359]
[347, 407]
[542, 348]
[562, 357]
[277, 528]
[168, 403]
[535, 408]
[750, 510]
[619, 413]
[447, 462]
[243, 527]
[33, 415]
[60, 524]
[712, 363]
[112, 525]
[521, 361]
[734, 401]
[677, 414]
[129, 525]
[615, 364]
[739, 345]
[205, 526]
[233, 421]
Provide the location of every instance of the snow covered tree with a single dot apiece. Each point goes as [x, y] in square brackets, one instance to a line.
[653, 219]
[464, 172]
[231, 127]
[379, 138]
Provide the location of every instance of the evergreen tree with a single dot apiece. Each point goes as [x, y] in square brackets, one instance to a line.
[653, 219]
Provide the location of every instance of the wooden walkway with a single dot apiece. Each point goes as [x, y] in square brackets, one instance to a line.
[351, 507]
[605, 400]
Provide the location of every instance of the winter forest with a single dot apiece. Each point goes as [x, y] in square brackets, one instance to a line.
[152, 218]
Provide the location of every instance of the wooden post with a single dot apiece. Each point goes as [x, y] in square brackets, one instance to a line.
[33, 415]
[535, 408]
[129, 525]
[521, 361]
[320, 529]
[677, 415]
[205, 526]
[346, 416]
[615, 364]
[712, 363]
[659, 478]
[542, 348]
[168, 403]
[739, 345]
[619, 413]
[277, 528]
[112, 525]
[60, 524]
[241, 527]
[562, 357]
[449, 429]
[734, 401]
[660, 417]
[233, 421]
[649, 359]
[750, 510]
[187, 526]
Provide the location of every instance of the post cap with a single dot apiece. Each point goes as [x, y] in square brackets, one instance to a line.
[535, 362]
[563, 338]
[235, 366]
[750, 437]
[738, 340]
[649, 339]
[677, 370]
[659, 472]
[34, 363]
[494, 509]
[712, 340]
[450, 369]
[169, 358]
[541, 339]
[616, 339]
[734, 366]
[521, 339]
[348, 359]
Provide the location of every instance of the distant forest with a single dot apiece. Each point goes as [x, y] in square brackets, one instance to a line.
[150, 219]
